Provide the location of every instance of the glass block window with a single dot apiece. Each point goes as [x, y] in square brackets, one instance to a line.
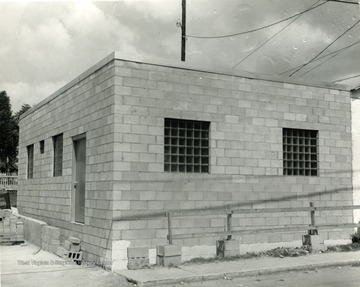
[30, 161]
[58, 155]
[300, 152]
[186, 146]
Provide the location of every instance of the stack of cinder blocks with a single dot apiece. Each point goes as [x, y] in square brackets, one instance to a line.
[11, 228]
[227, 248]
[138, 257]
[71, 249]
[50, 238]
[315, 241]
[168, 255]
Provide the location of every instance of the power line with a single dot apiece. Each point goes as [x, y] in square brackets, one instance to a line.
[272, 37]
[257, 29]
[304, 65]
[348, 78]
[346, 2]
[336, 54]
[322, 57]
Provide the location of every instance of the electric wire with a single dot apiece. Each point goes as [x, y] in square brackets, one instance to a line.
[348, 78]
[342, 1]
[324, 56]
[308, 71]
[272, 37]
[307, 63]
[257, 29]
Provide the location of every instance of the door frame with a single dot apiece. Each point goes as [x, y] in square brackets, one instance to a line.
[73, 176]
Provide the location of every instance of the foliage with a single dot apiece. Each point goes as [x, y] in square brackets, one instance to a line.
[18, 114]
[9, 135]
[344, 247]
[280, 252]
[277, 252]
[355, 237]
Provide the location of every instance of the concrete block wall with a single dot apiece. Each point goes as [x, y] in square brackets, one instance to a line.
[33, 229]
[246, 120]
[85, 105]
[121, 106]
[355, 113]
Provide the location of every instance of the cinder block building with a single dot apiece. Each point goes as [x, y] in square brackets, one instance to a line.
[130, 138]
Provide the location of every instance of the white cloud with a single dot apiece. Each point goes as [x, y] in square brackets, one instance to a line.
[44, 44]
[162, 10]
[24, 93]
[45, 51]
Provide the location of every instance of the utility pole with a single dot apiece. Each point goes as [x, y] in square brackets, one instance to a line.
[183, 30]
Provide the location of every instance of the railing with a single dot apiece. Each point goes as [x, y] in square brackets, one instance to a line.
[8, 182]
[312, 228]
[229, 211]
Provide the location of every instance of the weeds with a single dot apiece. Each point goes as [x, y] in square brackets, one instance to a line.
[344, 247]
[279, 252]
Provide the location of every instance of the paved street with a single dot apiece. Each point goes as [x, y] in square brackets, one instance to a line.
[347, 276]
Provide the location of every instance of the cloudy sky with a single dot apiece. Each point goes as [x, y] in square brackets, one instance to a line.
[44, 45]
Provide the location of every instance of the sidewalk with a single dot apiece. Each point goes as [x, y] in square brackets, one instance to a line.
[264, 265]
[29, 266]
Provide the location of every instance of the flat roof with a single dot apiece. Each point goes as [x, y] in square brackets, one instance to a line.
[116, 55]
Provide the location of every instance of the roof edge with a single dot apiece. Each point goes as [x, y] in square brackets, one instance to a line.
[116, 55]
[231, 72]
[70, 84]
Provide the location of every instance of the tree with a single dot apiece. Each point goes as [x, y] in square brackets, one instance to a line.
[8, 139]
[18, 114]
[9, 134]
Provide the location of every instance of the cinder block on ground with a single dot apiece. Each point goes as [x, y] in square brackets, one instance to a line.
[315, 241]
[168, 250]
[137, 263]
[227, 248]
[168, 261]
[134, 252]
[168, 255]
[75, 248]
[138, 257]
[76, 256]
[74, 240]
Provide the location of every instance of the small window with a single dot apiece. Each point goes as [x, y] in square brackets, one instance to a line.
[42, 147]
[186, 146]
[30, 162]
[300, 152]
[58, 155]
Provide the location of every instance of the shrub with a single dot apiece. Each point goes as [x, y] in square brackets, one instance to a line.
[355, 238]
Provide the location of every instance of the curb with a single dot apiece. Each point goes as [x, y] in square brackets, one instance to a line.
[266, 271]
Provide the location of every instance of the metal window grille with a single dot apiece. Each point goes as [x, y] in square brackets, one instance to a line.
[186, 146]
[58, 155]
[30, 162]
[300, 152]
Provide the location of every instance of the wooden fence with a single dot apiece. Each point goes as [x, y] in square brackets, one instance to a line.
[312, 228]
[229, 211]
